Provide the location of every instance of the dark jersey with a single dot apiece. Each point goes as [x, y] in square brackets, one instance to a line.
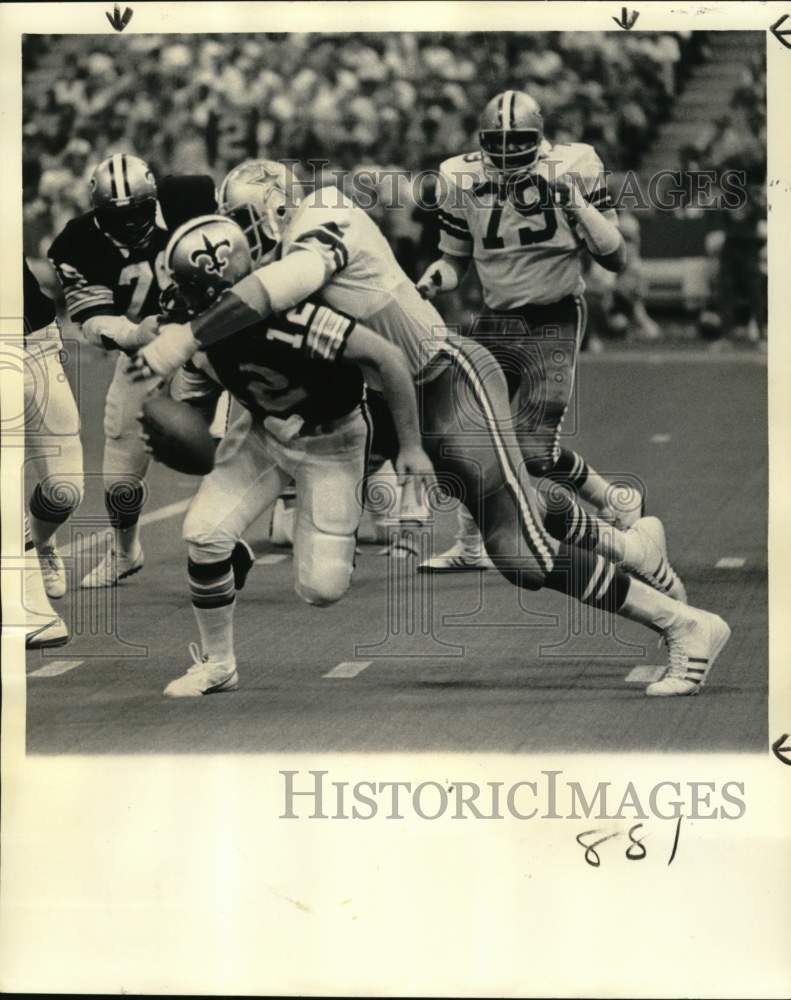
[101, 278]
[39, 308]
[290, 364]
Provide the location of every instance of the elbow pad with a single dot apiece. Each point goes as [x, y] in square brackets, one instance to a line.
[600, 236]
[289, 281]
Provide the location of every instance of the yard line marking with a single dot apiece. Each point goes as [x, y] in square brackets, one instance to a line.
[660, 439]
[56, 667]
[349, 668]
[169, 510]
[644, 674]
[730, 562]
[272, 559]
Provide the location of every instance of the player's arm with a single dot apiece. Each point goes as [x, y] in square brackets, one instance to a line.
[91, 304]
[594, 220]
[367, 349]
[276, 287]
[455, 243]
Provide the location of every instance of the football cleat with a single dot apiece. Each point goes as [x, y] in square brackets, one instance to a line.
[205, 676]
[51, 633]
[52, 571]
[652, 565]
[457, 559]
[112, 569]
[693, 643]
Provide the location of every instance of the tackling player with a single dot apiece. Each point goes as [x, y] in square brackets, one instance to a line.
[524, 212]
[298, 377]
[109, 262]
[326, 244]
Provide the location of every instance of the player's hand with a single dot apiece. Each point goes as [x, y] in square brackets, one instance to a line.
[414, 465]
[147, 330]
[564, 194]
[164, 355]
[430, 284]
[139, 370]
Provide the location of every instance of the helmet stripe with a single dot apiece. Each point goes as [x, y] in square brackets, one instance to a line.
[125, 176]
[113, 185]
[508, 109]
[500, 110]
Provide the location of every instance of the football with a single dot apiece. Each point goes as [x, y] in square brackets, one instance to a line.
[178, 435]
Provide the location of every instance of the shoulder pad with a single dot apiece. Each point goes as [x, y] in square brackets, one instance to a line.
[577, 158]
[464, 169]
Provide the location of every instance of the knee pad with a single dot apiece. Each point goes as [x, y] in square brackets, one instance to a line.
[323, 566]
[124, 500]
[56, 497]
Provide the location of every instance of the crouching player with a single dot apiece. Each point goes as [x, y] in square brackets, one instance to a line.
[297, 377]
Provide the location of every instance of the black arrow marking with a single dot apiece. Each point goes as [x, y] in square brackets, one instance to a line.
[781, 750]
[627, 19]
[118, 20]
[780, 35]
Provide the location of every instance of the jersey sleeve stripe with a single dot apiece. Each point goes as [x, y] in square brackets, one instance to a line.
[327, 334]
[453, 220]
[455, 231]
[329, 239]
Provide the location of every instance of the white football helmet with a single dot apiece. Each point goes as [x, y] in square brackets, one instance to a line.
[510, 134]
[260, 196]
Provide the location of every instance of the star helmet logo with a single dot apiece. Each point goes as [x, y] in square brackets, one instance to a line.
[217, 260]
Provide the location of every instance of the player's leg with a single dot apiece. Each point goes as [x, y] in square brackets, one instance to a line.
[53, 446]
[500, 497]
[44, 626]
[329, 477]
[124, 467]
[244, 482]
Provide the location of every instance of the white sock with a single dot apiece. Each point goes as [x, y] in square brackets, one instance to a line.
[650, 607]
[216, 631]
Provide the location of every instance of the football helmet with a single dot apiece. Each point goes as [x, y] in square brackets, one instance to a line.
[510, 133]
[204, 257]
[260, 195]
[124, 199]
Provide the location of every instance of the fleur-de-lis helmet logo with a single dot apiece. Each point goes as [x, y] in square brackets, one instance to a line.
[215, 254]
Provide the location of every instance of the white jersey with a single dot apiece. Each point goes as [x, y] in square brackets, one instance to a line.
[363, 278]
[522, 245]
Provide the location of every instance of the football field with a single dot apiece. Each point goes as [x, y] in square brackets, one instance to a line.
[444, 663]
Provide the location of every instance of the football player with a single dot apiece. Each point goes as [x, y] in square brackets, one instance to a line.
[524, 212]
[110, 264]
[52, 433]
[325, 244]
[298, 377]
[52, 440]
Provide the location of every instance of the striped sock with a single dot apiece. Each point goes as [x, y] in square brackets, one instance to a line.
[213, 602]
[568, 522]
[571, 470]
[589, 578]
